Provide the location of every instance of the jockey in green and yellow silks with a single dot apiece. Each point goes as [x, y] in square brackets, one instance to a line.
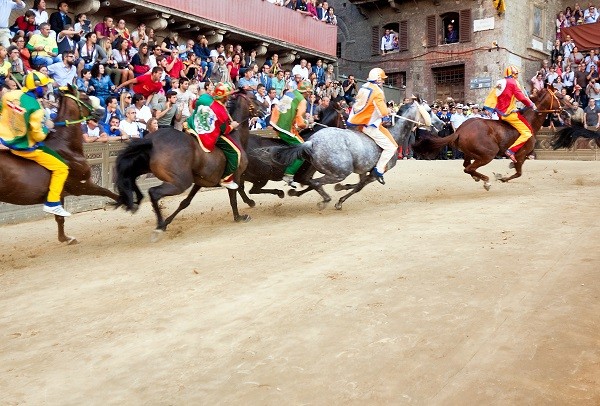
[22, 130]
[287, 118]
[503, 100]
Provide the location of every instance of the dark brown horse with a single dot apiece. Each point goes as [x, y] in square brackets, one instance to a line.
[567, 137]
[259, 171]
[482, 140]
[177, 159]
[24, 182]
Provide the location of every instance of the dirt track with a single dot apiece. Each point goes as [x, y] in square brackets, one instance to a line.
[428, 290]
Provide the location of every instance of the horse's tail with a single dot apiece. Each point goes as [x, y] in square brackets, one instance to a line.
[132, 162]
[286, 155]
[566, 137]
[428, 145]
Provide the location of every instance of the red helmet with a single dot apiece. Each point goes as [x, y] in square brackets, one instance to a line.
[222, 91]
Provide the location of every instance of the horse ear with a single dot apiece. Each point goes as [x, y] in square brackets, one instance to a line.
[551, 87]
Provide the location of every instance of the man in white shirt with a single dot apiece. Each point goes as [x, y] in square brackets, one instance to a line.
[387, 41]
[458, 118]
[184, 102]
[301, 70]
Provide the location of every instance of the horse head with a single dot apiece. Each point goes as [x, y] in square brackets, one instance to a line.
[76, 107]
[243, 105]
[548, 100]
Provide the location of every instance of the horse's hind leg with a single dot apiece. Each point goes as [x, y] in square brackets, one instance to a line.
[184, 204]
[471, 170]
[318, 183]
[467, 162]
[345, 186]
[158, 192]
[89, 188]
[364, 181]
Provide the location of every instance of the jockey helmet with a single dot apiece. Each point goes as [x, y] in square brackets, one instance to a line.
[205, 100]
[35, 81]
[305, 86]
[222, 91]
[376, 75]
[511, 70]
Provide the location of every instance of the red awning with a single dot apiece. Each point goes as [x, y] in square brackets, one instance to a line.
[586, 36]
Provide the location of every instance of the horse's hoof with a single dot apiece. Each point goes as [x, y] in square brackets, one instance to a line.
[281, 193]
[251, 203]
[292, 192]
[322, 205]
[487, 186]
[243, 218]
[72, 241]
[157, 235]
[338, 187]
[338, 206]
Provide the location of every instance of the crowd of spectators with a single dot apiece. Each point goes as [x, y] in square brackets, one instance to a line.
[317, 9]
[145, 82]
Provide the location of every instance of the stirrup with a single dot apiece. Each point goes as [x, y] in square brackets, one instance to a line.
[511, 156]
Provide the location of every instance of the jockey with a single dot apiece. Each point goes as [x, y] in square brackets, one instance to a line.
[211, 123]
[503, 99]
[22, 130]
[287, 118]
[368, 110]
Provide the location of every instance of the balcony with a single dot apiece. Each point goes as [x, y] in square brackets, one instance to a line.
[255, 22]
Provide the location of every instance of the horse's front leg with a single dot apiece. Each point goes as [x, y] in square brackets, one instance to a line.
[233, 202]
[244, 196]
[89, 188]
[60, 222]
[518, 171]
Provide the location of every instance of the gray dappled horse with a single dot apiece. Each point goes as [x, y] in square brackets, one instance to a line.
[337, 153]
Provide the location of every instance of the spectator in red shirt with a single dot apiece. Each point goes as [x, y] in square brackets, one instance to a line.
[174, 66]
[146, 85]
[24, 26]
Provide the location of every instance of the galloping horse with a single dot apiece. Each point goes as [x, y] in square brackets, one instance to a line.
[259, 172]
[338, 153]
[481, 140]
[566, 137]
[24, 182]
[177, 159]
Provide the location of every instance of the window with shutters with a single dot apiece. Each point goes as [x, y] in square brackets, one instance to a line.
[375, 40]
[449, 28]
[389, 37]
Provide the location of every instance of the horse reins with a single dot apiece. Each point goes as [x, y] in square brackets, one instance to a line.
[80, 104]
[560, 108]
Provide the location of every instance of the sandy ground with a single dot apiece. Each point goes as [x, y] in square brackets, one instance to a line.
[428, 290]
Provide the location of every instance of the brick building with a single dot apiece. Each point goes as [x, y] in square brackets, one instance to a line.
[426, 63]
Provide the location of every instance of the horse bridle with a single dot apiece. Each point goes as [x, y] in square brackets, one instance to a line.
[80, 104]
[551, 110]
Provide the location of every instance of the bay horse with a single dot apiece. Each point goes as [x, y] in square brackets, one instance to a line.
[337, 153]
[177, 159]
[481, 140]
[259, 171]
[24, 182]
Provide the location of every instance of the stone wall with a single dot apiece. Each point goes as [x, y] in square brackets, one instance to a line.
[512, 32]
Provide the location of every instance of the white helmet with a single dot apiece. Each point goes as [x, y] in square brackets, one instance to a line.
[376, 74]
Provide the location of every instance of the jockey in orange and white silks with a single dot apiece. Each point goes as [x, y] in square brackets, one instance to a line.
[503, 100]
[368, 110]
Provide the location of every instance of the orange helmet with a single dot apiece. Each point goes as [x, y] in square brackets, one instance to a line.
[511, 71]
[222, 91]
